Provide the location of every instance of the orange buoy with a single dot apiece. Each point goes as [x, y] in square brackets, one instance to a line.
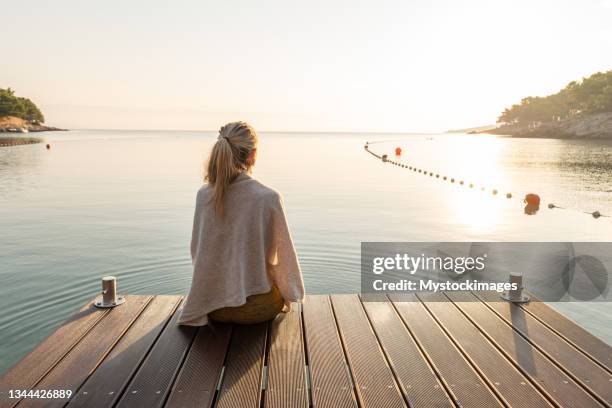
[398, 151]
[532, 199]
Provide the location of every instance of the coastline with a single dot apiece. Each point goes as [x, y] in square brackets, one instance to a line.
[591, 127]
[15, 125]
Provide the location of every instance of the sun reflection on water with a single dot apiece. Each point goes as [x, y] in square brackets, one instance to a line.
[477, 171]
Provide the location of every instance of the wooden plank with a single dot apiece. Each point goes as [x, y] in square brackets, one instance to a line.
[417, 380]
[589, 344]
[85, 357]
[330, 383]
[153, 380]
[196, 383]
[590, 375]
[374, 382]
[286, 363]
[104, 387]
[501, 374]
[543, 373]
[32, 368]
[241, 386]
[463, 382]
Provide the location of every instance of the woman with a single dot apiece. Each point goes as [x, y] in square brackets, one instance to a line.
[245, 265]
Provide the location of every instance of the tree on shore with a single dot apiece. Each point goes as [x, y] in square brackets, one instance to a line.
[23, 108]
[589, 95]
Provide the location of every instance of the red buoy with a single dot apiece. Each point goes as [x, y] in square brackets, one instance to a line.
[398, 151]
[532, 199]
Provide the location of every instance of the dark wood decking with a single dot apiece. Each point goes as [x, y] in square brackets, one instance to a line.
[426, 350]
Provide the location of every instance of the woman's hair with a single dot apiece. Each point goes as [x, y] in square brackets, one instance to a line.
[228, 158]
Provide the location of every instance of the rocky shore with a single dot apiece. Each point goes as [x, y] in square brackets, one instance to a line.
[594, 126]
[12, 124]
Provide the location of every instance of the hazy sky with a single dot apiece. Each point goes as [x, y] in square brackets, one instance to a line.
[417, 65]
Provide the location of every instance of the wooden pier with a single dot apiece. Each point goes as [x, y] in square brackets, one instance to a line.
[426, 350]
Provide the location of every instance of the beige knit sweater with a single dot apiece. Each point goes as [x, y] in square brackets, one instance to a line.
[241, 253]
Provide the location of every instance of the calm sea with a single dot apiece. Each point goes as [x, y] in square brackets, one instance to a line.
[121, 203]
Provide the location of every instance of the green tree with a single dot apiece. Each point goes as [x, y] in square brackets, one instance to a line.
[589, 95]
[11, 105]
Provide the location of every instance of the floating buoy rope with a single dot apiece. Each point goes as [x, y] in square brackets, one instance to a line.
[531, 200]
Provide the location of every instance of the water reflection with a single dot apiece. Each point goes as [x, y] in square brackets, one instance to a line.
[531, 209]
[19, 166]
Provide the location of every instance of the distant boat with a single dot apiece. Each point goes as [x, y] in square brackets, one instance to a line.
[23, 130]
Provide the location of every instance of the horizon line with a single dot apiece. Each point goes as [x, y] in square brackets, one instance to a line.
[365, 132]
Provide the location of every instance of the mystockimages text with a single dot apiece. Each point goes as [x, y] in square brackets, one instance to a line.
[412, 264]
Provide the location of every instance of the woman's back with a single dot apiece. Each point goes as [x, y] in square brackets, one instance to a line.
[240, 251]
[240, 234]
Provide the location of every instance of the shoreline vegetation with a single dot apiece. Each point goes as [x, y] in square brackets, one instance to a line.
[581, 110]
[595, 126]
[20, 116]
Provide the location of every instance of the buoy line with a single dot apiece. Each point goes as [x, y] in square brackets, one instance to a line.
[531, 200]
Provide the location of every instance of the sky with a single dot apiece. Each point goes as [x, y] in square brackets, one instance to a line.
[368, 66]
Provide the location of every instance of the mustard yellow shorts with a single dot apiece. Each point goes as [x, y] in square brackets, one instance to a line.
[258, 308]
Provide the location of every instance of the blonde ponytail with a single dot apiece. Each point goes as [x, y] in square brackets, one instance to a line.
[228, 158]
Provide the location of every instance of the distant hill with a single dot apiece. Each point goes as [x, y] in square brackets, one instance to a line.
[18, 114]
[584, 97]
[23, 108]
[583, 109]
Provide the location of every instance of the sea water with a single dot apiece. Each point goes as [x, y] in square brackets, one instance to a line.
[121, 203]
